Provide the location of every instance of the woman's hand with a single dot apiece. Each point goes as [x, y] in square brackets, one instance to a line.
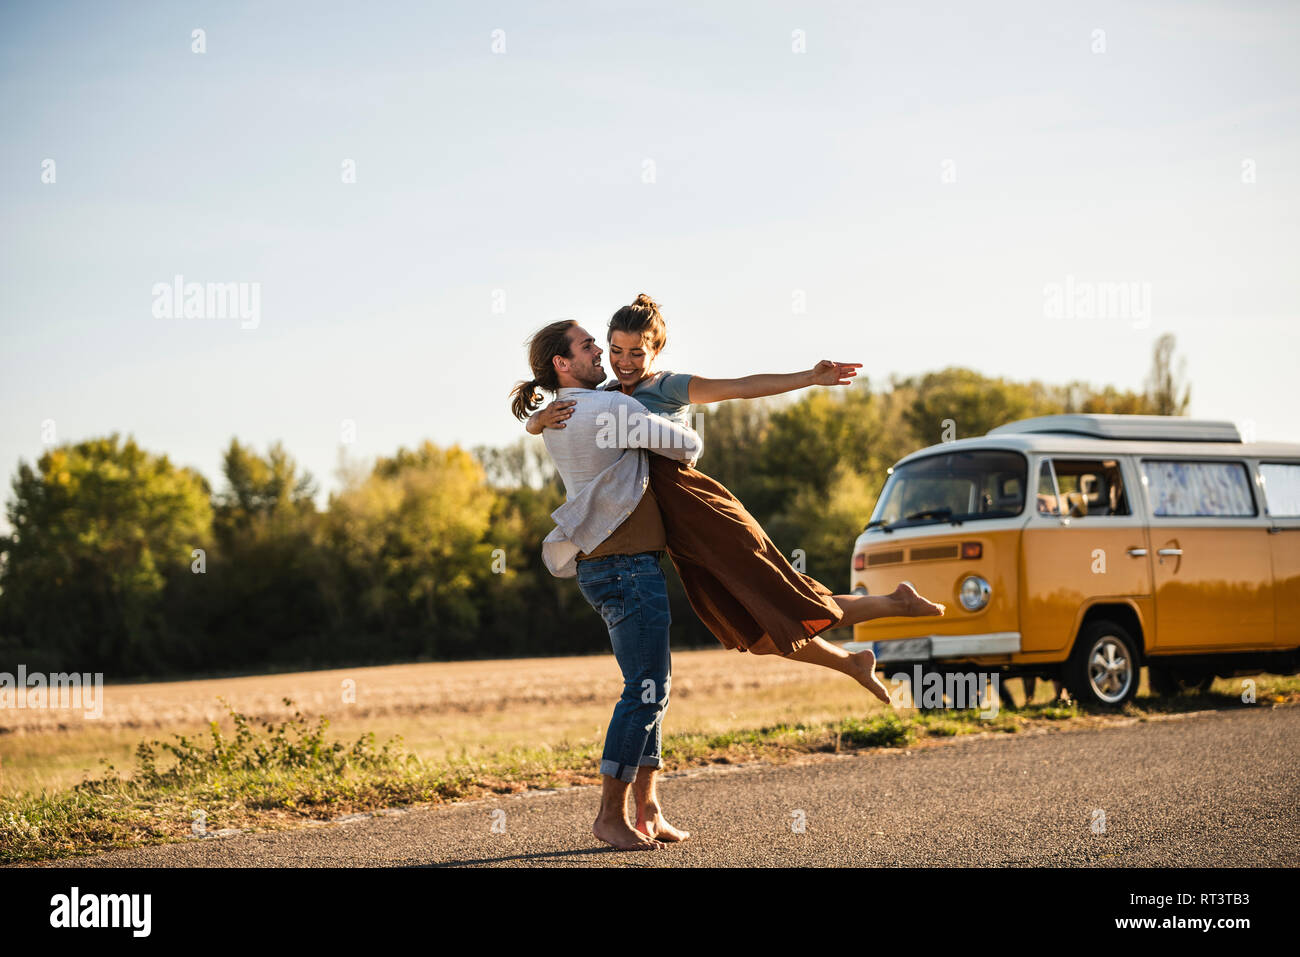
[827, 372]
[552, 416]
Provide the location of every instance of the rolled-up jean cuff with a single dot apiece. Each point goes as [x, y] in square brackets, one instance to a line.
[611, 768]
[647, 762]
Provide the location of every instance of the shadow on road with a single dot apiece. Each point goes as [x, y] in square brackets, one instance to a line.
[529, 857]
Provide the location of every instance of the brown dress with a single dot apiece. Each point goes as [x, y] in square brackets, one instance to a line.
[737, 580]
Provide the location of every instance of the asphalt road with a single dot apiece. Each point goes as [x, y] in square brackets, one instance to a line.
[1213, 788]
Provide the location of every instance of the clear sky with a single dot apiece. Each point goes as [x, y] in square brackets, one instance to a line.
[921, 175]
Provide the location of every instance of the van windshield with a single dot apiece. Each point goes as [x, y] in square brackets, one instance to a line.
[952, 487]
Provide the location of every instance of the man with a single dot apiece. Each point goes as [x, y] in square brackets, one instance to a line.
[610, 536]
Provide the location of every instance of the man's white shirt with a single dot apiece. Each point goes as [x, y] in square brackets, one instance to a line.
[601, 456]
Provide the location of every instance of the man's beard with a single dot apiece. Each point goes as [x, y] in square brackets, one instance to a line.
[593, 377]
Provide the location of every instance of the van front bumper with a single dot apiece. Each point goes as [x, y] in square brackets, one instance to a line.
[940, 646]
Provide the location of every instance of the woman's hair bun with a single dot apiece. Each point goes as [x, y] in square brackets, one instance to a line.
[641, 318]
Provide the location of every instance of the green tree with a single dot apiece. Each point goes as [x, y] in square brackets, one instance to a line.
[733, 434]
[260, 486]
[524, 463]
[801, 442]
[410, 537]
[972, 403]
[267, 591]
[823, 526]
[98, 528]
[1167, 390]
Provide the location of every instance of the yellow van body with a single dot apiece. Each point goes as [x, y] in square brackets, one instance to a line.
[1158, 530]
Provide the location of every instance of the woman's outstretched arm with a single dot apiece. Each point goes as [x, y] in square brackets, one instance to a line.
[826, 372]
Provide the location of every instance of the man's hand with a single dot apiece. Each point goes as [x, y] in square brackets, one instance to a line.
[827, 372]
[552, 416]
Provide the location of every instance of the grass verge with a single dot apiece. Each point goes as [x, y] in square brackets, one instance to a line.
[289, 773]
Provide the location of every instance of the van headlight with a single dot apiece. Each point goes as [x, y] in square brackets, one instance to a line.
[974, 593]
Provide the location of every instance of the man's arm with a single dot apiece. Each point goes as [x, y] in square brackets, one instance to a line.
[826, 372]
[627, 425]
[551, 417]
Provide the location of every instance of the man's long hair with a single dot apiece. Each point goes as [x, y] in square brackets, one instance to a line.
[545, 345]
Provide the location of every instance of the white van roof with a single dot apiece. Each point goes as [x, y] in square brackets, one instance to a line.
[1143, 428]
[1046, 434]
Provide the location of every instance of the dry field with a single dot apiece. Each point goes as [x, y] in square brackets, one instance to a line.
[442, 709]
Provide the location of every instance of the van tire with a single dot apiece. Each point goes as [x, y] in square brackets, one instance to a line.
[1104, 668]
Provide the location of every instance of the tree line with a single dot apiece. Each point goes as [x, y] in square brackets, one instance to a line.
[120, 561]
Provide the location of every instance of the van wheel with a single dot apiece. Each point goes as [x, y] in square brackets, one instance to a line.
[1167, 680]
[1104, 668]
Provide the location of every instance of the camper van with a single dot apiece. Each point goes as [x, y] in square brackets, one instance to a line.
[1081, 548]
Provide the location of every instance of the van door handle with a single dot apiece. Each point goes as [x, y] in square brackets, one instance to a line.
[1137, 552]
[1169, 551]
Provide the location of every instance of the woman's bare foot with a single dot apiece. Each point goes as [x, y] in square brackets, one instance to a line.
[913, 605]
[620, 835]
[864, 672]
[650, 820]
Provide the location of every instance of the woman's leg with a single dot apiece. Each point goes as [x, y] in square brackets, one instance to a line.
[860, 666]
[902, 602]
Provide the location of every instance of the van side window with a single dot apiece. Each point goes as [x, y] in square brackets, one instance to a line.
[1048, 504]
[1091, 488]
[1198, 488]
[1281, 488]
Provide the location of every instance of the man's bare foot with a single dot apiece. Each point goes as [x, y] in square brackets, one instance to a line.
[865, 673]
[913, 605]
[650, 820]
[619, 835]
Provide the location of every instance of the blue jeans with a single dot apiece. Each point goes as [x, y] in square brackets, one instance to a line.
[631, 596]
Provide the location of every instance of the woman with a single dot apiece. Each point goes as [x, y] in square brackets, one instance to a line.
[737, 580]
